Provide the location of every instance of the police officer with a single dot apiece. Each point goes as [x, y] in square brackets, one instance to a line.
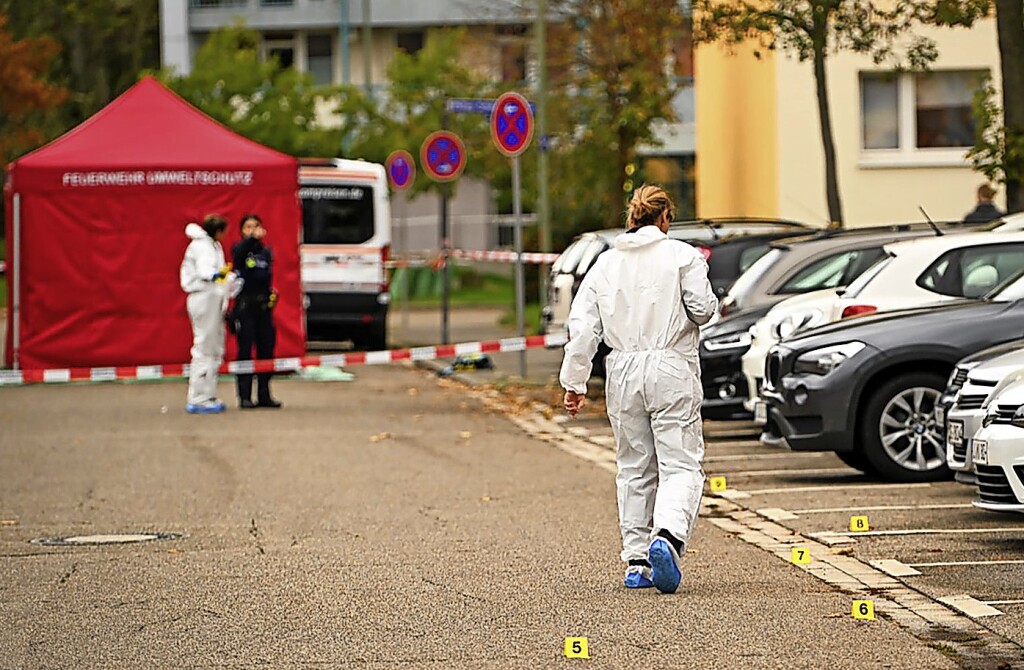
[252, 314]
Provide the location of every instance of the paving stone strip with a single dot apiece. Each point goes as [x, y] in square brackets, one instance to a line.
[963, 639]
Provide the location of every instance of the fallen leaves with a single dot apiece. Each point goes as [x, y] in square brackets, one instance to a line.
[465, 435]
[380, 437]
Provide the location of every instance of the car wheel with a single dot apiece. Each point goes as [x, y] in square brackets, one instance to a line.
[856, 460]
[900, 438]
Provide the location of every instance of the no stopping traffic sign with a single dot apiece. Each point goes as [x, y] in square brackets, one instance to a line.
[511, 124]
[401, 169]
[443, 156]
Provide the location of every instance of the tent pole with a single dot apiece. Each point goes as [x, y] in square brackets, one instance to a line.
[16, 284]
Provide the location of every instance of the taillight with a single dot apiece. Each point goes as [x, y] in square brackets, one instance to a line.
[858, 310]
[705, 252]
[385, 256]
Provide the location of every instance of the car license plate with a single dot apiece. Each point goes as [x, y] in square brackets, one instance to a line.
[955, 433]
[980, 452]
[761, 413]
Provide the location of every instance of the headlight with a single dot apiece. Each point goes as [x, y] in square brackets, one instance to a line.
[797, 322]
[738, 340]
[825, 360]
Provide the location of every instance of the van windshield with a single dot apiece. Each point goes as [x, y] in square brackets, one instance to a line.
[336, 214]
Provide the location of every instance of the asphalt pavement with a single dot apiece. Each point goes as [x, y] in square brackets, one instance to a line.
[393, 521]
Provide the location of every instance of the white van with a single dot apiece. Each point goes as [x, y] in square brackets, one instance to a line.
[346, 241]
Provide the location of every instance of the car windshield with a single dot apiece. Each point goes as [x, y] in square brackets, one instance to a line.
[746, 282]
[570, 258]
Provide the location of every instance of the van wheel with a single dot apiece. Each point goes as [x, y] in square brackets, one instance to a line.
[901, 439]
[378, 337]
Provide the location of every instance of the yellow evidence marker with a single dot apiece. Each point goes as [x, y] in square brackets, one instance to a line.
[801, 556]
[858, 524]
[576, 647]
[717, 484]
[863, 609]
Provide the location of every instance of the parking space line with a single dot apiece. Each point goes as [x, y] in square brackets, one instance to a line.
[836, 487]
[918, 531]
[761, 457]
[1004, 602]
[970, 606]
[790, 471]
[943, 564]
[880, 508]
[894, 568]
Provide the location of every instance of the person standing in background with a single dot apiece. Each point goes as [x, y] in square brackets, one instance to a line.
[207, 280]
[253, 311]
[985, 210]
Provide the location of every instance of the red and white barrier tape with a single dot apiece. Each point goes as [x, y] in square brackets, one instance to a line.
[504, 256]
[151, 372]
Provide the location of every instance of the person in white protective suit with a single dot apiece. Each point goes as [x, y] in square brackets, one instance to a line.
[207, 280]
[646, 298]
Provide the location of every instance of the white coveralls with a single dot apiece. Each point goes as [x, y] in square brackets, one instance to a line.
[646, 299]
[207, 301]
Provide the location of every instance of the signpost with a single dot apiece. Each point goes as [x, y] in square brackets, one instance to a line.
[511, 130]
[443, 157]
[401, 169]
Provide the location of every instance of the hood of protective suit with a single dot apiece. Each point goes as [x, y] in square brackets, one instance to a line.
[641, 238]
[195, 231]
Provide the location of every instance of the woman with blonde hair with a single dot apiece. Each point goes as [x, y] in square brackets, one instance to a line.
[646, 298]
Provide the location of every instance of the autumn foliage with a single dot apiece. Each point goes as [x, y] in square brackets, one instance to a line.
[24, 91]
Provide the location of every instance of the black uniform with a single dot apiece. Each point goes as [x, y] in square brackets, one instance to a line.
[252, 313]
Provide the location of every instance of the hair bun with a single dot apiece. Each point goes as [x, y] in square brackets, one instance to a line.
[647, 206]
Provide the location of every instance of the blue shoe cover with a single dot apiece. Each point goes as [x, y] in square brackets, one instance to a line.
[636, 579]
[205, 409]
[664, 566]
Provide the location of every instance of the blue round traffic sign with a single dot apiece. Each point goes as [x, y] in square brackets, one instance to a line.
[511, 124]
[443, 156]
[401, 169]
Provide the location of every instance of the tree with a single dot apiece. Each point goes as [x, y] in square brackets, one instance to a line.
[998, 151]
[275, 106]
[611, 80]
[25, 94]
[104, 45]
[812, 30]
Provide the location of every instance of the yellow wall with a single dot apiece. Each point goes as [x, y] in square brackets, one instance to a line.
[737, 144]
[870, 194]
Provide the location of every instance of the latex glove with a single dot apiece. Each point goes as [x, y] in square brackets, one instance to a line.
[574, 403]
[223, 273]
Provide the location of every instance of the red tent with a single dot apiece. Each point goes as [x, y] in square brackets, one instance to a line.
[96, 232]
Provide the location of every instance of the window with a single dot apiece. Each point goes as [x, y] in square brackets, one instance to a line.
[280, 46]
[905, 115]
[336, 215]
[410, 41]
[320, 59]
[202, 4]
[831, 272]
[513, 62]
[277, 3]
[973, 271]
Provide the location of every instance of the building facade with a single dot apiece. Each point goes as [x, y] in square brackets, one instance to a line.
[901, 138]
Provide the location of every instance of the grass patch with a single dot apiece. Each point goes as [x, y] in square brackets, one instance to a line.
[468, 288]
[3, 292]
[531, 318]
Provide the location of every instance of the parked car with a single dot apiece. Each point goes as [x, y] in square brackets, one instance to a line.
[982, 373]
[730, 246]
[867, 388]
[824, 259]
[997, 452]
[794, 266]
[912, 272]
